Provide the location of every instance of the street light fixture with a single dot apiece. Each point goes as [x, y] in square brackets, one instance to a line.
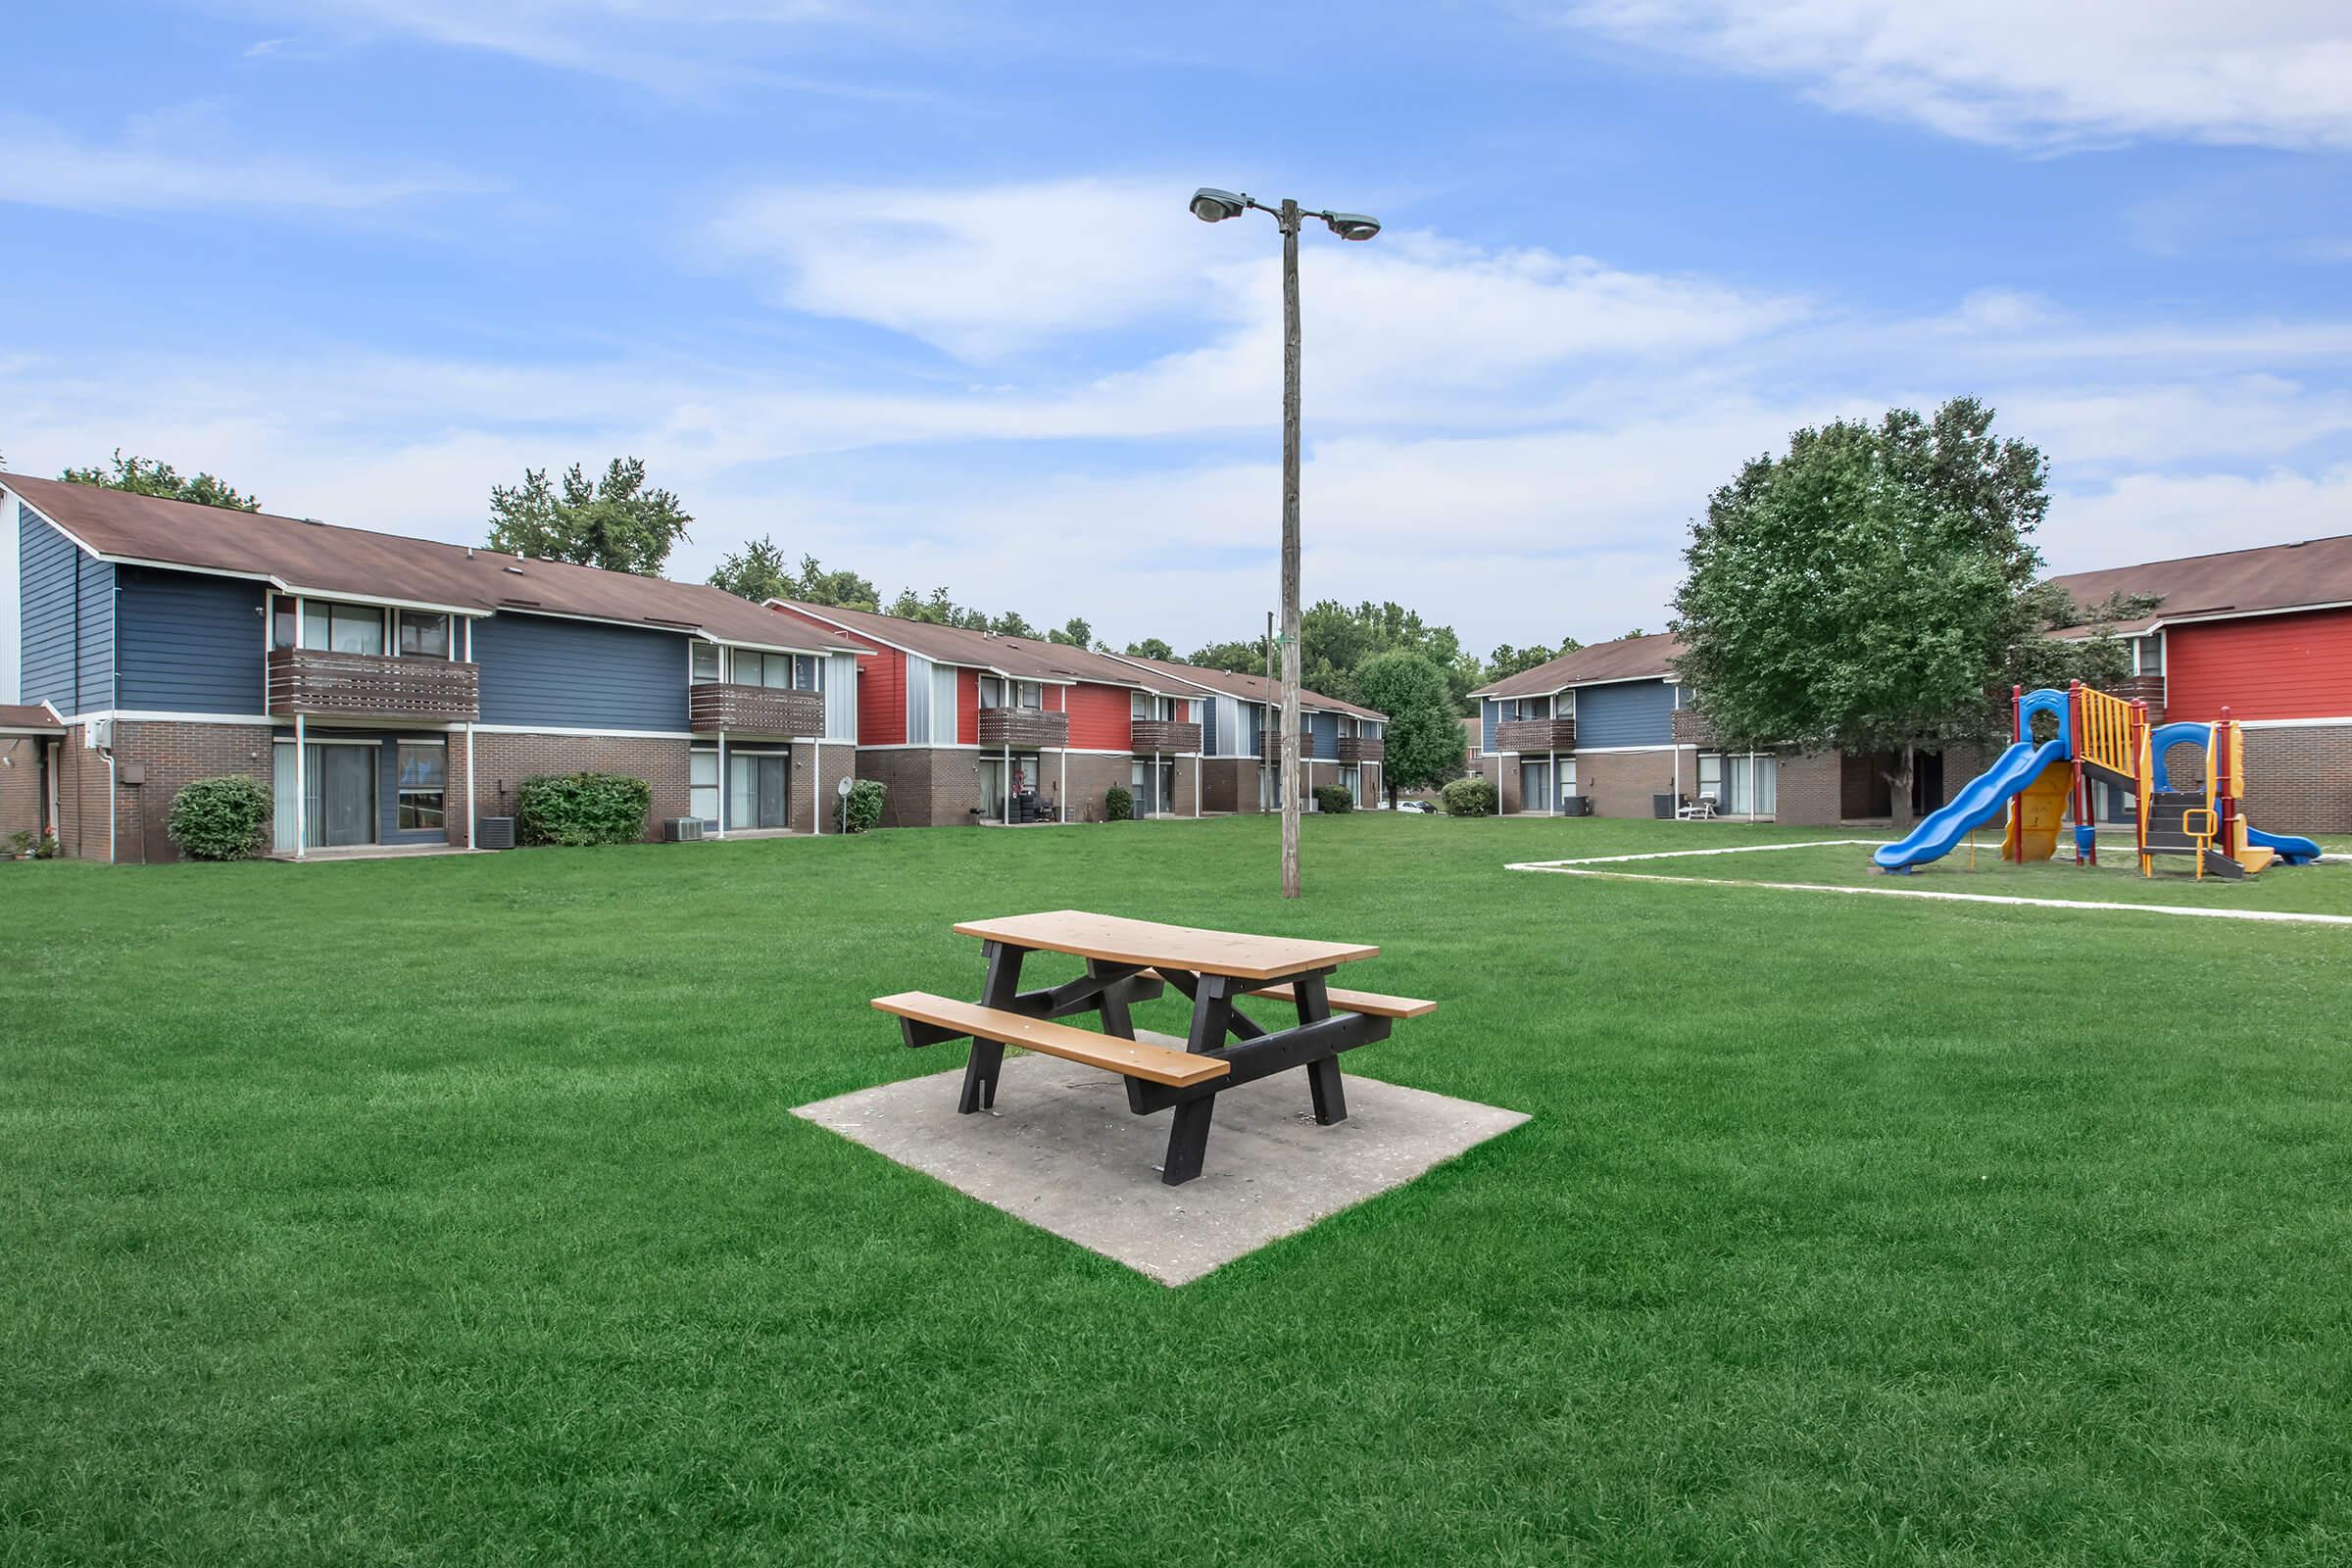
[1213, 205]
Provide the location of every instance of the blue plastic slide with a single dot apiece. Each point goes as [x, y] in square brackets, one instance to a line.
[2291, 849]
[1984, 799]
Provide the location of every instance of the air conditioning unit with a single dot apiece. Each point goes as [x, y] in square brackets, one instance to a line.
[682, 830]
[494, 833]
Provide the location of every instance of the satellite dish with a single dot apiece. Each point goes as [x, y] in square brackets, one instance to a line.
[842, 788]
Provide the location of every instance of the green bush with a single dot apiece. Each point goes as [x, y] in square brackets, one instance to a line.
[220, 819]
[865, 810]
[1332, 799]
[1468, 797]
[581, 809]
[19, 845]
[1118, 805]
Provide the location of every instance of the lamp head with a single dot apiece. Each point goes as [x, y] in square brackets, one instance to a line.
[1213, 205]
[1352, 225]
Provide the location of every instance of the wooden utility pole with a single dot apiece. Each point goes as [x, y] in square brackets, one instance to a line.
[1289, 219]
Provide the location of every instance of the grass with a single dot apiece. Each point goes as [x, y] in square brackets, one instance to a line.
[2325, 888]
[413, 1211]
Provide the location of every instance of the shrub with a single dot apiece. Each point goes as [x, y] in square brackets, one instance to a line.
[219, 818]
[1332, 799]
[1118, 805]
[1468, 797]
[19, 845]
[582, 809]
[45, 848]
[865, 810]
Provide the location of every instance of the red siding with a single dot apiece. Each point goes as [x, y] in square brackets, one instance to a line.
[2265, 666]
[1101, 718]
[968, 706]
[881, 685]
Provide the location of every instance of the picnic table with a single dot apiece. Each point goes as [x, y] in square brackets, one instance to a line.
[1128, 961]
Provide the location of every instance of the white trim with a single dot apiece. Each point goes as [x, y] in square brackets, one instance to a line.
[2289, 723]
[356, 597]
[421, 739]
[561, 729]
[921, 746]
[768, 648]
[2191, 617]
[146, 715]
[313, 740]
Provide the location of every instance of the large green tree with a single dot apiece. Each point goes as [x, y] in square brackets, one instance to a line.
[1336, 640]
[1871, 589]
[1151, 648]
[1075, 633]
[755, 572]
[1424, 731]
[147, 476]
[615, 523]
[1235, 658]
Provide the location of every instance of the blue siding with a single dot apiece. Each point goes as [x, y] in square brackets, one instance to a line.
[1634, 714]
[1324, 728]
[58, 582]
[576, 674]
[1490, 711]
[187, 643]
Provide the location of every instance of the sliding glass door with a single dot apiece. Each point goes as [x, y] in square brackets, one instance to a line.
[339, 793]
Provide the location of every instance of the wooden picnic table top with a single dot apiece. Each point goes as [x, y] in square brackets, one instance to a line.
[1116, 940]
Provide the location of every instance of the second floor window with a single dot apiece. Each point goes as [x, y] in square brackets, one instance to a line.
[423, 635]
[780, 671]
[329, 627]
[706, 668]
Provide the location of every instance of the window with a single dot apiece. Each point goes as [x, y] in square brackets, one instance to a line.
[1030, 694]
[808, 672]
[752, 669]
[424, 783]
[1140, 704]
[702, 780]
[329, 627]
[706, 668]
[423, 635]
[2147, 654]
[1744, 783]
[991, 692]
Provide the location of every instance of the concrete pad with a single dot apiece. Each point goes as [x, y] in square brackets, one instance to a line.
[1062, 1151]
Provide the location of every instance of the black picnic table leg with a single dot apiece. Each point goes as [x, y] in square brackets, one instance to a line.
[1112, 1003]
[1001, 985]
[1322, 1077]
[1188, 1130]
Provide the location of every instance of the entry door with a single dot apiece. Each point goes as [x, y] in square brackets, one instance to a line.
[1535, 787]
[772, 776]
[347, 775]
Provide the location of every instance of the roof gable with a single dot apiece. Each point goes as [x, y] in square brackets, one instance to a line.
[1649, 657]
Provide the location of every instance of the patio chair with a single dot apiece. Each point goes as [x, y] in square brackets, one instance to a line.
[1701, 809]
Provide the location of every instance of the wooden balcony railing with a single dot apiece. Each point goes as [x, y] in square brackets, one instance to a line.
[1269, 745]
[1024, 728]
[1525, 735]
[1165, 736]
[312, 681]
[1363, 749]
[713, 708]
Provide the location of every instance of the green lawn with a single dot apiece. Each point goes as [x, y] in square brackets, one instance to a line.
[451, 1211]
[2322, 889]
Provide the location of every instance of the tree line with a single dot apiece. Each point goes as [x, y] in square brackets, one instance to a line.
[1874, 589]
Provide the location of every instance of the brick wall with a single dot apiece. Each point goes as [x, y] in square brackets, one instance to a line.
[173, 756]
[926, 786]
[1808, 789]
[816, 774]
[500, 762]
[2299, 780]
[1621, 783]
[1229, 784]
[21, 784]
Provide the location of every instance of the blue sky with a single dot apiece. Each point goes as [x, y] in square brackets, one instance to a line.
[912, 287]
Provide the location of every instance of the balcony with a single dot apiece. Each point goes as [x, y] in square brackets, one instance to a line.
[1159, 736]
[713, 708]
[1363, 749]
[1024, 729]
[326, 685]
[1524, 735]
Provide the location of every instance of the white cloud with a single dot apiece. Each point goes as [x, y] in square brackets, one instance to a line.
[2151, 516]
[174, 161]
[2027, 73]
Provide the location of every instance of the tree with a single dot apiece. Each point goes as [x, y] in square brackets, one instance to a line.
[755, 572]
[939, 608]
[1336, 640]
[1012, 624]
[1076, 634]
[615, 523]
[1238, 658]
[1424, 731]
[147, 476]
[1869, 591]
[1151, 648]
[845, 590]
[1506, 661]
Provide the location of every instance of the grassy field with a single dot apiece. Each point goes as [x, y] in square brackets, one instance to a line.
[452, 1210]
[2322, 889]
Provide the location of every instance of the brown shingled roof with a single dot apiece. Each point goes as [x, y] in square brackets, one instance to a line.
[1253, 688]
[302, 556]
[2271, 578]
[17, 717]
[1626, 659]
[1022, 657]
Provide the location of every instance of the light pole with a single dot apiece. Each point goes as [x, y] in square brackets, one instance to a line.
[1213, 205]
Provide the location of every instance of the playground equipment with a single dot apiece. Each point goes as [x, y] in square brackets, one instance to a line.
[2105, 739]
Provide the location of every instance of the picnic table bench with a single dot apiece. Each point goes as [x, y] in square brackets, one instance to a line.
[1128, 961]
